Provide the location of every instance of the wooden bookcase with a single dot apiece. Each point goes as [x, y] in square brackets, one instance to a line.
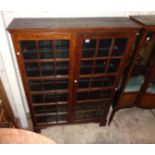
[71, 68]
[138, 88]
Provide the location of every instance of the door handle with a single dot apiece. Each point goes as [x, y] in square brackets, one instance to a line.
[75, 81]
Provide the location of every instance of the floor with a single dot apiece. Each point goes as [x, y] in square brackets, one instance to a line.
[129, 126]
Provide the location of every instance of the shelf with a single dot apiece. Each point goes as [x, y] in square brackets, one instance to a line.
[51, 114]
[105, 58]
[94, 89]
[97, 75]
[49, 77]
[49, 103]
[48, 60]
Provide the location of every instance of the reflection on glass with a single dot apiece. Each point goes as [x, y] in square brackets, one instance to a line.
[86, 67]
[119, 47]
[29, 49]
[100, 66]
[104, 47]
[32, 69]
[89, 47]
[151, 88]
[45, 49]
[114, 65]
[84, 82]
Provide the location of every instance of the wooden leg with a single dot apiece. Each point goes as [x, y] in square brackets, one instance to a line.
[111, 116]
[37, 130]
[103, 123]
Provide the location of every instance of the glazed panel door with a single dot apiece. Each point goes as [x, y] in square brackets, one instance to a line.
[146, 97]
[101, 61]
[46, 65]
[143, 64]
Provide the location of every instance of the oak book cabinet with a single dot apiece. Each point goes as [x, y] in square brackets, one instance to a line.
[138, 88]
[71, 68]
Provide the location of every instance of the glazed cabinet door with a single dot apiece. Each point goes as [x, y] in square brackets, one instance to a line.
[101, 61]
[147, 94]
[140, 84]
[46, 66]
[143, 64]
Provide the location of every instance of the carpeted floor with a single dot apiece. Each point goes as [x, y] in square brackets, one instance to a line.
[129, 126]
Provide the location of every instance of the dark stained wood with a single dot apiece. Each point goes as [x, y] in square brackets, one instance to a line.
[127, 100]
[70, 23]
[146, 20]
[147, 101]
[76, 31]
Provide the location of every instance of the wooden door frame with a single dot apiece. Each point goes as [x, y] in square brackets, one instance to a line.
[102, 35]
[17, 37]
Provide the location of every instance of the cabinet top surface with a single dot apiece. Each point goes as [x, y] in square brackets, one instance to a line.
[146, 20]
[71, 23]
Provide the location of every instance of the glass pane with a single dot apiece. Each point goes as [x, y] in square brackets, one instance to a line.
[29, 49]
[47, 68]
[32, 69]
[89, 47]
[105, 94]
[48, 85]
[104, 47]
[135, 83]
[100, 66]
[50, 109]
[114, 65]
[100, 94]
[37, 98]
[41, 119]
[79, 115]
[151, 88]
[109, 81]
[103, 81]
[62, 118]
[61, 44]
[62, 97]
[82, 95]
[90, 115]
[49, 97]
[41, 85]
[62, 108]
[61, 68]
[51, 119]
[100, 113]
[97, 82]
[119, 47]
[47, 119]
[86, 106]
[45, 109]
[46, 49]
[35, 85]
[61, 84]
[84, 82]
[86, 67]
[61, 48]
[144, 62]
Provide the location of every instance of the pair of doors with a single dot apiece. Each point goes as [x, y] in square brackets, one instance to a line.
[71, 77]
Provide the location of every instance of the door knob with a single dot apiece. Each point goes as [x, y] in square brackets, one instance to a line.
[75, 81]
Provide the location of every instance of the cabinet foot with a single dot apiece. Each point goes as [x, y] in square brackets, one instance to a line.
[111, 116]
[103, 123]
[37, 130]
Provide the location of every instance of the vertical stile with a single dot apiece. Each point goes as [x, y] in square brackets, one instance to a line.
[55, 85]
